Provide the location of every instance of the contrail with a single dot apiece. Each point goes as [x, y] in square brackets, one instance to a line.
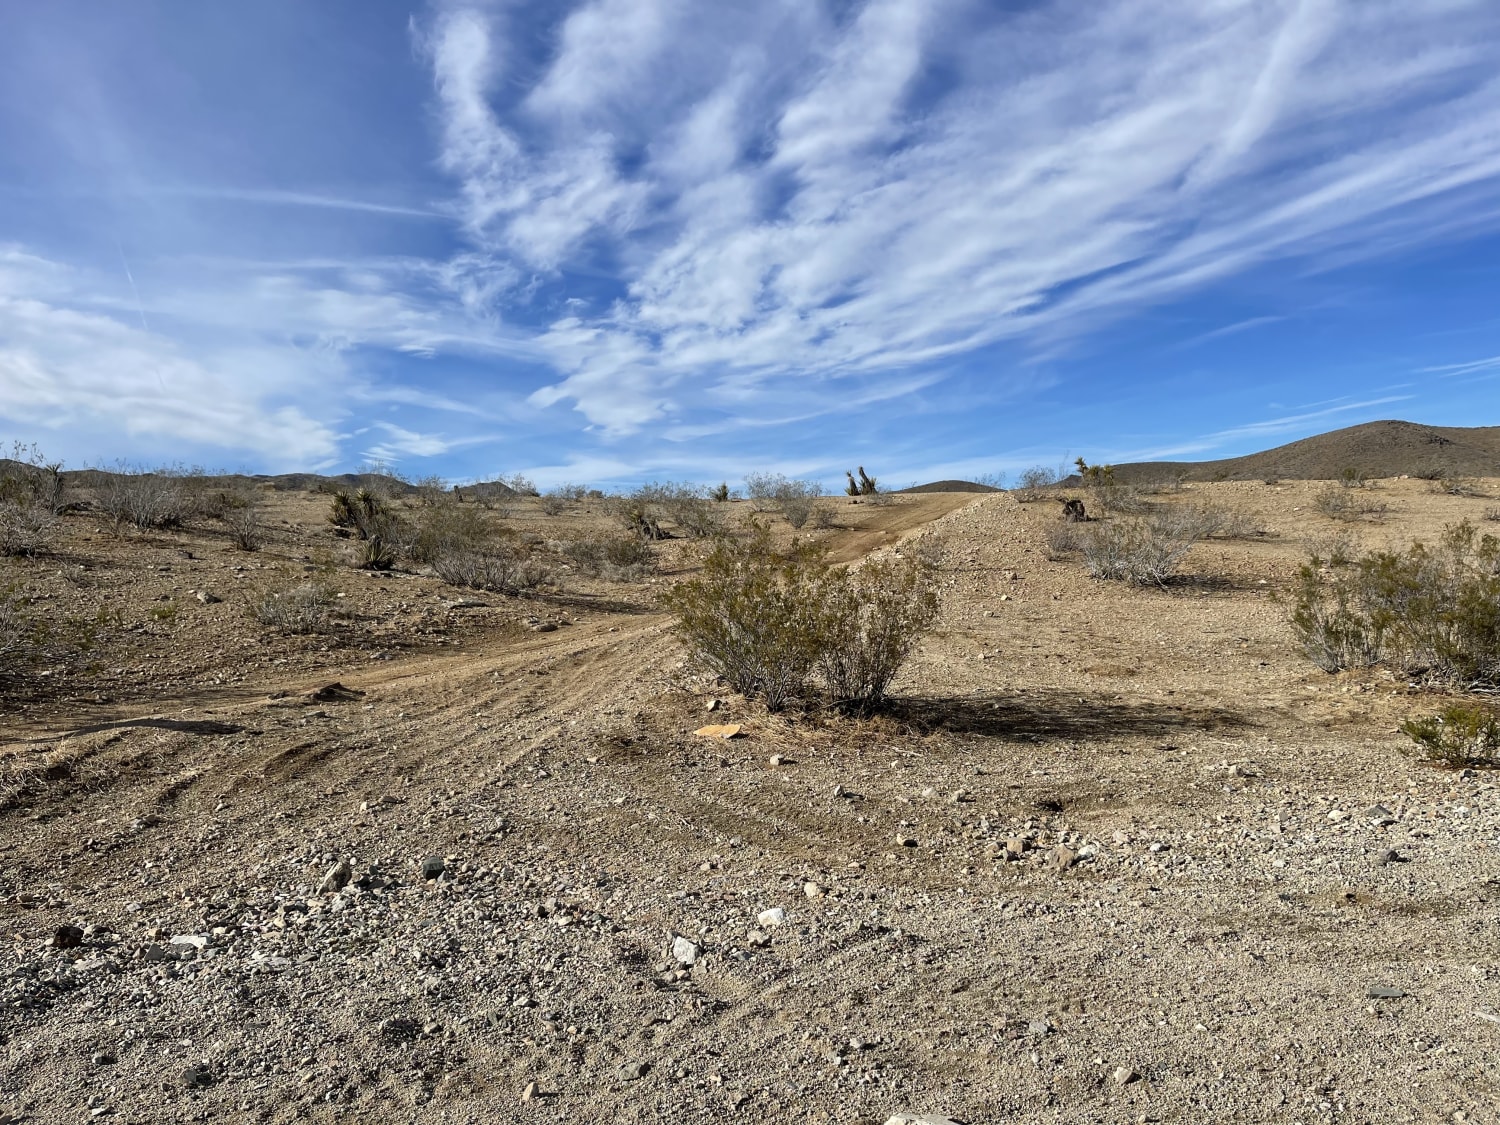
[139, 308]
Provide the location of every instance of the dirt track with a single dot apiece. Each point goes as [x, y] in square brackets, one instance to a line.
[1215, 933]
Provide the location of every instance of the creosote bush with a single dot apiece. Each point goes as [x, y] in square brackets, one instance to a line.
[775, 623]
[302, 609]
[1433, 612]
[1143, 550]
[1459, 736]
[152, 500]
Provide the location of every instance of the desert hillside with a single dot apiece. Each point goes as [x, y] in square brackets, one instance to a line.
[1114, 854]
[1373, 449]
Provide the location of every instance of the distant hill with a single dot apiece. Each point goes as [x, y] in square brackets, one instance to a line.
[950, 486]
[285, 482]
[1373, 449]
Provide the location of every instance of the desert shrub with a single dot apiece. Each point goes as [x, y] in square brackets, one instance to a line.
[1353, 478]
[302, 609]
[870, 618]
[1338, 549]
[625, 558]
[24, 528]
[1458, 736]
[1144, 550]
[1032, 484]
[370, 516]
[448, 529]
[825, 516]
[246, 530]
[1340, 503]
[1432, 611]
[1062, 539]
[555, 503]
[375, 553]
[864, 486]
[507, 568]
[1118, 499]
[766, 621]
[145, 499]
[1492, 514]
[685, 505]
[431, 490]
[1459, 486]
[518, 483]
[30, 480]
[761, 488]
[720, 495]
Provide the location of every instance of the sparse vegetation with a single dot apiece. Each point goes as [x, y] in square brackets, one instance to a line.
[507, 568]
[1143, 550]
[767, 620]
[145, 499]
[1433, 612]
[864, 486]
[242, 516]
[1034, 482]
[449, 529]
[302, 609]
[24, 528]
[1461, 735]
[1340, 503]
[625, 558]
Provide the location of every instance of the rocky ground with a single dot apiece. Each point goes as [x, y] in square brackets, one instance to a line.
[1117, 855]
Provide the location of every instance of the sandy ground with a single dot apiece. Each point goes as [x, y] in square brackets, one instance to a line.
[1117, 855]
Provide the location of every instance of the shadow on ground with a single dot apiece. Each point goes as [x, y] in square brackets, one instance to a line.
[1058, 714]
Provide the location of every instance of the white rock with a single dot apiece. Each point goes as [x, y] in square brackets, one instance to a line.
[685, 951]
[920, 1119]
[773, 917]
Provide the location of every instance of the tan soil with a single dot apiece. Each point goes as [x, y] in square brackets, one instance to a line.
[1216, 938]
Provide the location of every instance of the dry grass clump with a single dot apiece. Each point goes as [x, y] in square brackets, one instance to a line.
[146, 499]
[624, 558]
[773, 623]
[796, 500]
[24, 528]
[1034, 483]
[1433, 612]
[1459, 736]
[302, 609]
[242, 516]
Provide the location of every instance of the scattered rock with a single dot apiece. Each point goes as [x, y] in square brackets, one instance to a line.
[725, 730]
[197, 1076]
[1389, 855]
[920, 1119]
[771, 918]
[1379, 815]
[1124, 1076]
[338, 878]
[67, 937]
[432, 867]
[758, 938]
[632, 1071]
[685, 951]
[1039, 1028]
[714, 705]
[1062, 857]
[208, 599]
[778, 759]
[529, 1093]
[905, 841]
[812, 890]
[1384, 992]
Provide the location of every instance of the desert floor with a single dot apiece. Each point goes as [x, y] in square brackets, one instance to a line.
[1115, 854]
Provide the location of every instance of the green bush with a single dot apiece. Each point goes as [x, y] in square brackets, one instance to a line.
[1460, 735]
[624, 558]
[448, 528]
[771, 621]
[1433, 612]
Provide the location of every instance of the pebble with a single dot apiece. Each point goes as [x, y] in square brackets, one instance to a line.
[1062, 857]
[632, 1071]
[812, 890]
[771, 918]
[758, 938]
[1039, 1028]
[198, 1076]
[1384, 992]
[685, 951]
[529, 1093]
[1124, 1076]
[432, 867]
[1389, 855]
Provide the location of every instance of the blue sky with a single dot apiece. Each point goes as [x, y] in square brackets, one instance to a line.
[624, 239]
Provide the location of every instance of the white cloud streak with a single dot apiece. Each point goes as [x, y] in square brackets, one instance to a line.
[786, 197]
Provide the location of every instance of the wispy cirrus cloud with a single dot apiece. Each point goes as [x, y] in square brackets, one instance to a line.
[785, 196]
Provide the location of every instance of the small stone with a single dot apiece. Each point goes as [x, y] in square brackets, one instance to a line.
[920, 1119]
[632, 1071]
[197, 1076]
[529, 1093]
[1039, 1028]
[959, 796]
[714, 704]
[771, 918]
[1384, 992]
[812, 890]
[685, 951]
[1338, 815]
[67, 937]
[208, 599]
[929, 793]
[1062, 857]
[724, 730]
[337, 878]
[778, 759]
[432, 867]
[1389, 855]
[103, 1058]
[906, 841]
[758, 938]
[1015, 848]
[1124, 1076]
[1379, 815]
